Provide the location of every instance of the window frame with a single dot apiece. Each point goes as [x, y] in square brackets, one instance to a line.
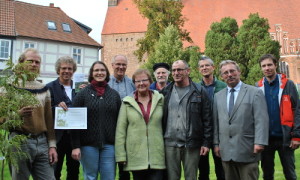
[50, 26]
[29, 42]
[9, 49]
[76, 54]
[66, 30]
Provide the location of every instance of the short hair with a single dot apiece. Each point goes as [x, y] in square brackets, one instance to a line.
[207, 59]
[90, 78]
[114, 58]
[65, 59]
[142, 71]
[184, 62]
[268, 56]
[225, 62]
[23, 55]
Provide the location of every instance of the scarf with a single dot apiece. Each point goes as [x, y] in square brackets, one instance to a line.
[99, 87]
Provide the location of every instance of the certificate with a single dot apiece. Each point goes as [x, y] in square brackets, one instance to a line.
[73, 118]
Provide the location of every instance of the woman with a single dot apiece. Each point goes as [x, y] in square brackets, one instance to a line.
[139, 136]
[94, 147]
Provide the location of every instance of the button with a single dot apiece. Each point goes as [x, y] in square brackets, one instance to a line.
[230, 123]
[230, 136]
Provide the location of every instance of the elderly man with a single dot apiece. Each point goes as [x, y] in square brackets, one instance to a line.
[283, 109]
[161, 73]
[212, 86]
[119, 81]
[240, 125]
[187, 123]
[62, 94]
[38, 126]
[124, 86]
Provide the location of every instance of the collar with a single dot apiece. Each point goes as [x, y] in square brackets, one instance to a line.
[236, 88]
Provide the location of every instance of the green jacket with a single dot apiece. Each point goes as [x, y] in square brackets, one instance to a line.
[219, 85]
[137, 143]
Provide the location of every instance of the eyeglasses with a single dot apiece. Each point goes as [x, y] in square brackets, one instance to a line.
[66, 68]
[178, 70]
[141, 81]
[231, 71]
[119, 64]
[205, 65]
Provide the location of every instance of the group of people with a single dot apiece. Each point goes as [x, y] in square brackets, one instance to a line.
[153, 129]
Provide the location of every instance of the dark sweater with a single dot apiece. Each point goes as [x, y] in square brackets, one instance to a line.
[102, 112]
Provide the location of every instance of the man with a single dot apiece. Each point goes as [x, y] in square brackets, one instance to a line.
[62, 94]
[187, 123]
[119, 81]
[38, 126]
[124, 86]
[212, 86]
[284, 132]
[240, 125]
[161, 73]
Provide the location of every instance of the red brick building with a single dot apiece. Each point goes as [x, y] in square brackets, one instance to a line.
[124, 26]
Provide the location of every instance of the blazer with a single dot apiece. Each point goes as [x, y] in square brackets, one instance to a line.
[248, 124]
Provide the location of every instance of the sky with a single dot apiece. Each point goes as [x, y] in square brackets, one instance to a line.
[89, 12]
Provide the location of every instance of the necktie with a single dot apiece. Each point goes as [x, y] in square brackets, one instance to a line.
[231, 101]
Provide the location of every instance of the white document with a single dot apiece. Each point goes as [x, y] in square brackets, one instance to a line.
[73, 118]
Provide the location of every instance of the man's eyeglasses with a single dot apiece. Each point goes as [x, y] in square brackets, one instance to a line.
[66, 68]
[178, 70]
[141, 81]
[231, 71]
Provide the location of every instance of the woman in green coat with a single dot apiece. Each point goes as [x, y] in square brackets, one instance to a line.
[139, 141]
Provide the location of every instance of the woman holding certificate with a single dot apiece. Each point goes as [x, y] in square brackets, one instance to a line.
[139, 137]
[94, 146]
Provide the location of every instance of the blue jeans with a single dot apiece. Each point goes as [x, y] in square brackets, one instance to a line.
[94, 160]
[287, 158]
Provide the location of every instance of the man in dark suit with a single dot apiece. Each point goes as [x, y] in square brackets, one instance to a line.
[240, 125]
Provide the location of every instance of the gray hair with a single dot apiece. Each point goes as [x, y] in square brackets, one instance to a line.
[211, 62]
[65, 59]
[225, 62]
[23, 55]
[114, 58]
[184, 62]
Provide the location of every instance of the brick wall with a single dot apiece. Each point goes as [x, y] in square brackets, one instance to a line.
[124, 44]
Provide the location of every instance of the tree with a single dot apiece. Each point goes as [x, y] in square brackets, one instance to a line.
[12, 99]
[169, 48]
[245, 44]
[221, 42]
[160, 13]
[254, 40]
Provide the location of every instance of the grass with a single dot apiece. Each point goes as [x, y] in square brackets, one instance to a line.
[278, 169]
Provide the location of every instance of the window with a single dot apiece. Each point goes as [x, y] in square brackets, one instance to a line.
[4, 49]
[66, 27]
[51, 25]
[77, 55]
[29, 45]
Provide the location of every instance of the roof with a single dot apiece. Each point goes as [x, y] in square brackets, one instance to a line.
[30, 21]
[201, 14]
[124, 18]
[7, 18]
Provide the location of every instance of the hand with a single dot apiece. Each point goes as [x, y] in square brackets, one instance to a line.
[123, 162]
[26, 111]
[204, 151]
[81, 86]
[76, 154]
[294, 144]
[258, 149]
[63, 105]
[217, 151]
[52, 155]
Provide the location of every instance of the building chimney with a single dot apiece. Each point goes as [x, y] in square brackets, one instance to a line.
[51, 5]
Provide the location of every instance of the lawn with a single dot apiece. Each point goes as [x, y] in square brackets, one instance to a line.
[278, 170]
